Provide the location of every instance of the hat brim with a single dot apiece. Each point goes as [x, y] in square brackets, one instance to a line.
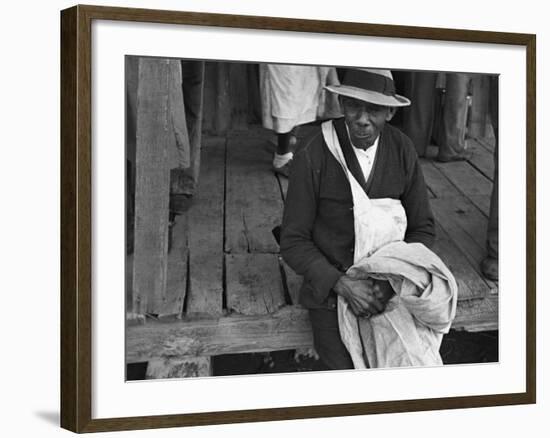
[369, 96]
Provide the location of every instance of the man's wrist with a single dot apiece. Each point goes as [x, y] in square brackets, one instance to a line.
[340, 287]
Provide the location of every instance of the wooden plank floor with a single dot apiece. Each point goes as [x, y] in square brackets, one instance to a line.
[231, 264]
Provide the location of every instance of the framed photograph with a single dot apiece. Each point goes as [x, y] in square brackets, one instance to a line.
[262, 216]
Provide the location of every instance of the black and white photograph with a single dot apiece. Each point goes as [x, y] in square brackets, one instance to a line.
[285, 218]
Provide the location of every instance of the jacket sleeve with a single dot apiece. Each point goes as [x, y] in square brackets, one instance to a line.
[297, 246]
[420, 219]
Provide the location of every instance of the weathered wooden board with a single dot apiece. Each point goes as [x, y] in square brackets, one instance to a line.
[154, 139]
[253, 284]
[477, 315]
[466, 227]
[174, 367]
[488, 142]
[436, 181]
[176, 284]
[464, 215]
[482, 202]
[464, 177]
[206, 234]
[286, 329]
[470, 284]
[253, 199]
[482, 159]
[442, 187]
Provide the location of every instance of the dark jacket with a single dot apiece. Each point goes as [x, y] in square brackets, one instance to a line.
[317, 237]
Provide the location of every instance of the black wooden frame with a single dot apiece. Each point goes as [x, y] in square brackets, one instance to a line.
[76, 225]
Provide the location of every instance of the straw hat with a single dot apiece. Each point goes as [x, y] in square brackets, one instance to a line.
[370, 85]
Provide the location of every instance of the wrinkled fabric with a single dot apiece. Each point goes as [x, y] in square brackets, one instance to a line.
[410, 330]
[293, 95]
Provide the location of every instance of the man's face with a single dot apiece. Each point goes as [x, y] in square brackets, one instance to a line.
[365, 120]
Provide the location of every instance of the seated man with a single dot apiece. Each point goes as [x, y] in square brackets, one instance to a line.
[318, 236]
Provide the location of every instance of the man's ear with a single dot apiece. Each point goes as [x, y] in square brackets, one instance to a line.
[391, 113]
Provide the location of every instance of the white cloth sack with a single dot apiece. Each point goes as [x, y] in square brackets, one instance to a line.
[410, 330]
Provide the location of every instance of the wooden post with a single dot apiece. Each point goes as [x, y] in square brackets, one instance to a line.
[238, 77]
[223, 101]
[154, 138]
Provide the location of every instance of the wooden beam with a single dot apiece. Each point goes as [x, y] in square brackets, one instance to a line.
[171, 368]
[154, 138]
[206, 234]
[477, 315]
[286, 329]
[253, 282]
[289, 328]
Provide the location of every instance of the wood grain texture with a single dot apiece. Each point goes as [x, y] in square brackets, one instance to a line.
[174, 367]
[69, 347]
[466, 227]
[253, 198]
[206, 233]
[465, 178]
[154, 140]
[285, 329]
[482, 159]
[470, 283]
[254, 285]
[477, 315]
[482, 202]
[176, 275]
[436, 181]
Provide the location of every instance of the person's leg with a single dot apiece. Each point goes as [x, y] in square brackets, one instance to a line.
[489, 265]
[455, 109]
[327, 341]
[286, 143]
[417, 118]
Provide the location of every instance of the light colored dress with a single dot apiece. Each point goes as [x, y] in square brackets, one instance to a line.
[293, 95]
